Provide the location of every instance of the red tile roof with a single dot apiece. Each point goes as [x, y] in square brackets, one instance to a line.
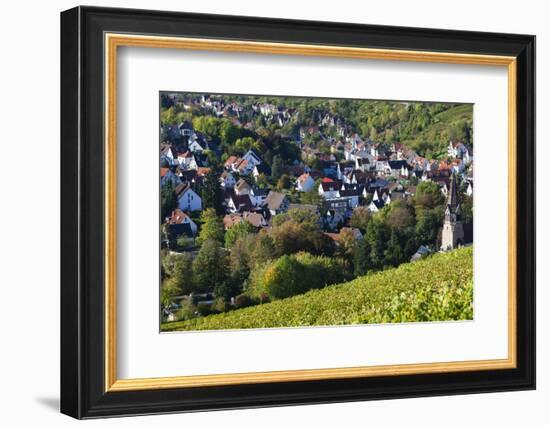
[177, 217]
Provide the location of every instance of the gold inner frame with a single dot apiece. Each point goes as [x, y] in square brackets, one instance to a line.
[113, 41]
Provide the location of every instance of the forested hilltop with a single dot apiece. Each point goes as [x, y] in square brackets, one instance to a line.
[424, 127]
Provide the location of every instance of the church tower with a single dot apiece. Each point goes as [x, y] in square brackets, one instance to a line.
[453, 233]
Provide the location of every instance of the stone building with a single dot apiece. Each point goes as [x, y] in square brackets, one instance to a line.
[452, 235]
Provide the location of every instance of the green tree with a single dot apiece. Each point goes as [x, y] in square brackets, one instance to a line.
[212, 195]
[346, 243]
[394, 255]
[237, 231]
[168, 201]
[228, 132]
[399, 217]
[295, 274]
[261, 181]
[169, 236]
[210, 265]
[306, 217]
[168, 290]
[168, 116]
[361, 256]
[211, 228]
[277, 167]
[240, 260]
[467, 206]
[360, 218]
[312, 197]
[428, 223]
[290, 237]
[428, 195]
[244, 144]
[262, 249]
[207, 125]
[377, 237]
[283, 182]
[182, 273]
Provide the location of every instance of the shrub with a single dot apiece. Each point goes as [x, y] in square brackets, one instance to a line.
[187, 311]
[183, 242]
[221, 305]
[204, 309]
[242, 300]
[294, 274]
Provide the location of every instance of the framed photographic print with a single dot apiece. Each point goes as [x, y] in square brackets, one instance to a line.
[261, 212]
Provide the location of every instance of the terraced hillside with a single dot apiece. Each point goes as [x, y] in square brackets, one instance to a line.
[438, 288]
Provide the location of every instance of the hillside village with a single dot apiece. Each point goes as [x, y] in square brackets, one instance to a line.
[278, 164]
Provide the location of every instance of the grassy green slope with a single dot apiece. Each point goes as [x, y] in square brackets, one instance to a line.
[437, 288]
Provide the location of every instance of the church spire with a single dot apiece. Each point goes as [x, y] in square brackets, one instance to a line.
[452, 234]
[452, 197]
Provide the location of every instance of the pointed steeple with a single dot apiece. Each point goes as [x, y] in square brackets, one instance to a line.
[452, 234]
[452, 196]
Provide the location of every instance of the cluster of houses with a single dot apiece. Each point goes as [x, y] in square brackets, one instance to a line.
[355, 172]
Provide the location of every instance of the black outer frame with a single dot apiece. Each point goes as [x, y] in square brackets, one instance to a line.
[82, 207]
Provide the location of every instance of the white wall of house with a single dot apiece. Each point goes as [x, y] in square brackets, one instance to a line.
[194, 146]
[189, 201]
[306, 185]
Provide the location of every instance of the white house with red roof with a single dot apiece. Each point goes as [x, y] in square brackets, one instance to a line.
[182, 223]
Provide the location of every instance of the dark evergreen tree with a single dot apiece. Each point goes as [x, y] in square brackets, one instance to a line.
[168, 201]
[394, 252]
[212, 195]
[277, 168]
[361, 254]
[210, 266]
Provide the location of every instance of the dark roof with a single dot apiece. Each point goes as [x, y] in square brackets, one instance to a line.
[360, 177]
[185, 125]
[347, 164]
[201, 159]
[328, 186]
[241, 202]
[379, 203]
[180, 229]
[396, 165]
[352, 186]
[257, 191]
[181, 188]
[201, 140]
[255, 154]
[350, 192]
[263, 168]
[378, 184]
[188, 175]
